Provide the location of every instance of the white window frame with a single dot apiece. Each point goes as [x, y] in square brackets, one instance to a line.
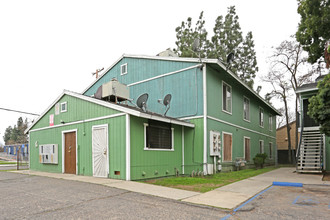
[270, 145]
[223, 147]
[248, 119]
[270, 122]
[121, 69]
[66, 107]
[261, 146]
[225, 100]
[245, 137]
[261, 119]
[145, 125]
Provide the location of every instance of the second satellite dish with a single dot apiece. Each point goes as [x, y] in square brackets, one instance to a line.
[166, 102]
[141, 102]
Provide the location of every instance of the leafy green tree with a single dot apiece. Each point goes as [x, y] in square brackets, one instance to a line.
[313, 30]
[319, 106]
[15, 135]
[248, 61]
[227, 39]
[188, 37]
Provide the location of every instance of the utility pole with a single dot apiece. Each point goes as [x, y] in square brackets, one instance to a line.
[97, 72]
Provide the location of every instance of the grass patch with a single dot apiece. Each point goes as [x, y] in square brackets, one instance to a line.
[6, 162]
[208, 183]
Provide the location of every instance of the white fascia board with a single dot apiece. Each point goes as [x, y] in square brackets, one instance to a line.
[306, 90]
[49, 107]
[167, 120]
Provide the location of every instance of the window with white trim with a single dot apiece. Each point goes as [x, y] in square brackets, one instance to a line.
[158, 136]
[123, 69]
[261, 146]
[261, 117]
[64, 106]
[270, 150]
[270, 122]
[226, 98]
[246, 109]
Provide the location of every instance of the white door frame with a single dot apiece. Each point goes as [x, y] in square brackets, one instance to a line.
[107, 139]
[63, 149]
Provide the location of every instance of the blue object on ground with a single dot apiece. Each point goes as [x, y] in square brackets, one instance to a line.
[287, 184]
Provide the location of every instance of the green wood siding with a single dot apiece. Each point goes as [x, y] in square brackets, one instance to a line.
[153, 163]
[185, 86]
[77, 109]
[193, 147]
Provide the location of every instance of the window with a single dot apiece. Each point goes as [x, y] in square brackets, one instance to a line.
[246, 109]
[64, 107]
[261, 145]
[247, 148]
[227, 147]
[261, 117]
[123, 69]
[226, 98]
[270, 150]
[158, 136]
[270, 120]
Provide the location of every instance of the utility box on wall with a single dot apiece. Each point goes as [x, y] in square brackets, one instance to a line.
[215, 143]
[48, 153]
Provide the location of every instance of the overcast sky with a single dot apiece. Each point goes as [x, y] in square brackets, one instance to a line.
[49, 46]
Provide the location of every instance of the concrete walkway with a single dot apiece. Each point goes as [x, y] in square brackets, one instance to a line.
[229, 196]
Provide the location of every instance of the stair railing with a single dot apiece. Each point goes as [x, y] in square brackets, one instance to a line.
[300, 139]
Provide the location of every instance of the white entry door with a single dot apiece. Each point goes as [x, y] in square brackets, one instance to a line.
[100, 151]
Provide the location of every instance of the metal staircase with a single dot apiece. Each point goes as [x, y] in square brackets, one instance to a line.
[310, 154]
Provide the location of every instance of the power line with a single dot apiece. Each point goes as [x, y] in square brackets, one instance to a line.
[11, 110]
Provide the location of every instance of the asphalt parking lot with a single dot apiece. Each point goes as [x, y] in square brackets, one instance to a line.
[35, 197]
[280, 202]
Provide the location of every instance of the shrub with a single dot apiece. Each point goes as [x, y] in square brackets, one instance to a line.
[259, 160]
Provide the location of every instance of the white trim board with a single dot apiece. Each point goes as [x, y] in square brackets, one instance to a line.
[112, 106]
[128, 147]
[237, 126]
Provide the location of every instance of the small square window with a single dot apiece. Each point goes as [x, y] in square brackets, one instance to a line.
[64, 106]
[158, 136]
[123, 69]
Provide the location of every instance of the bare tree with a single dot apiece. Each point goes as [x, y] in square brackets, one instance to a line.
[291, 61]
[281, 90]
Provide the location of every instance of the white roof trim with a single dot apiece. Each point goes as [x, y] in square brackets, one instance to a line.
[184, 59]
[306, 90]
[112, 106]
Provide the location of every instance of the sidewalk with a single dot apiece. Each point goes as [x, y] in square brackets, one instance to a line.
[229, 196]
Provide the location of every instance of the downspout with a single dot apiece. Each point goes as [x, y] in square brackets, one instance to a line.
[205, 169]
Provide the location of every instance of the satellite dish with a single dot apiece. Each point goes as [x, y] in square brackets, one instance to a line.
[230, 58]
[195, 45]
[166, 102]
[141, 102]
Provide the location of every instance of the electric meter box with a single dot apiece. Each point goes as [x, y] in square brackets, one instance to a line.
[215, 143]
[48, 153]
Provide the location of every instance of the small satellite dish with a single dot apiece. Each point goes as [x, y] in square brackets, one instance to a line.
[195, 45]
[230, 58]
[166, 102]
[141, 102]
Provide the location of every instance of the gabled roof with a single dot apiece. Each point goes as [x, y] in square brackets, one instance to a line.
[307, 87]
[125, 109]
[185, 59]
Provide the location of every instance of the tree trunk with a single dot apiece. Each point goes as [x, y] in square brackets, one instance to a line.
[288, 130]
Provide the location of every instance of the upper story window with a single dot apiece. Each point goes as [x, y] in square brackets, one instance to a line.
[226, 98]
[270, 122]
[123, 69]
[64, 106]
[261, 117]
[246, 109]
[158, 136]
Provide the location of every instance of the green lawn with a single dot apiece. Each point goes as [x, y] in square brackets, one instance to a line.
[208, 183]
[6, 162]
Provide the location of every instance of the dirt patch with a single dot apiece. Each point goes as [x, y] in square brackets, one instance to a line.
[326, 177]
